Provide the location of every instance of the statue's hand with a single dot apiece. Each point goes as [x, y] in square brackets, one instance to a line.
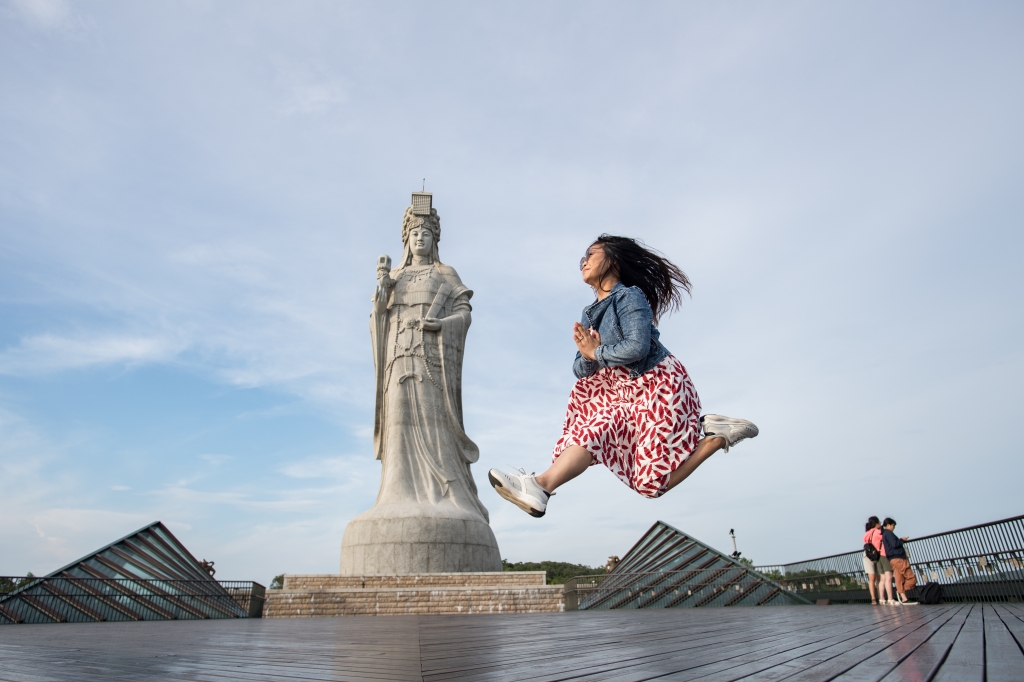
[431, 324]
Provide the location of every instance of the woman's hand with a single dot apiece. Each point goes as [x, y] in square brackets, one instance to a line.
[431, 324]
[587, 340]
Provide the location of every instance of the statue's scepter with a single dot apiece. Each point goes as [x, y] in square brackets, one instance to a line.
[384, 282]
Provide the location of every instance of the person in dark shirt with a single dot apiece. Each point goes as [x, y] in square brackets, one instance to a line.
[905, 578]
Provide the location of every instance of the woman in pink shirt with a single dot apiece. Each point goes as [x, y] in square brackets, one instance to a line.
[880, 566]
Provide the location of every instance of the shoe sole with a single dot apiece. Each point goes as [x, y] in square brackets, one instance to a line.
[731, 421]
[511, 497]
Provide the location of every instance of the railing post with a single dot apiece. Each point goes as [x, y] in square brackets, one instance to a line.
[571, 595]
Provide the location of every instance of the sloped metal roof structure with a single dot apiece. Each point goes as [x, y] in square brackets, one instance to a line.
[147, 575]
[667, 568]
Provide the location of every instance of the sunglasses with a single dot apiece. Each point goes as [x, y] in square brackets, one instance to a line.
[583, 261]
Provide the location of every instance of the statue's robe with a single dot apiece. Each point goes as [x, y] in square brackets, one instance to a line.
[418, 428]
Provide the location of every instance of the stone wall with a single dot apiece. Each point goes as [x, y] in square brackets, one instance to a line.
[306, 596]
[333, 581]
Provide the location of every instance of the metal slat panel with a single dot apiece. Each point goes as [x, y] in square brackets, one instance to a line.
[667, 568]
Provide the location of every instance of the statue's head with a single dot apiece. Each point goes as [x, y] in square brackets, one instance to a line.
[420, 235]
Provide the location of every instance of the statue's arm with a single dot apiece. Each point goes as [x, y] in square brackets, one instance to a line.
[460, 312]
[463, 309]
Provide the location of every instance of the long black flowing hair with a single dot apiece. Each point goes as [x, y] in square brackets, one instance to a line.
[635, 265]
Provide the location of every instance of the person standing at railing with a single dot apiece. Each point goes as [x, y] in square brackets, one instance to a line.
[877, 567]
[905, 578]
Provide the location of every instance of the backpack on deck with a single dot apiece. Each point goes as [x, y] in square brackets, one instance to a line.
[930, 593]
[871, 552]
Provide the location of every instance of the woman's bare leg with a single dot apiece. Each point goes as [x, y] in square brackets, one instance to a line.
[573, 461]
[885, 586]
[872, 579]
[705, 448]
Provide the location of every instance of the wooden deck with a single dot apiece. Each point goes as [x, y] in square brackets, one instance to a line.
[922, 643]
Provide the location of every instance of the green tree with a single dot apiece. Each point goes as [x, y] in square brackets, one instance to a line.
[11, 584]
[558, 571]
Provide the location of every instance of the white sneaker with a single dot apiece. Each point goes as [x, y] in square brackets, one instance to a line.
[521, 490]
[732, 430]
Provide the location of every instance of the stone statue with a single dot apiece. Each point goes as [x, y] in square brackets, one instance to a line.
[427, 517]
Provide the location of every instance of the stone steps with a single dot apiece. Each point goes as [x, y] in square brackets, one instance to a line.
[306, 596]
[333, 581]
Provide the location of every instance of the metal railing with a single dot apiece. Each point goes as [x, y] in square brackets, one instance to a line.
[81, 600]
[721, 586]
[973, 564]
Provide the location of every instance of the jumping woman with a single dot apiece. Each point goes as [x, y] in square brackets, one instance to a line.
[633, 408]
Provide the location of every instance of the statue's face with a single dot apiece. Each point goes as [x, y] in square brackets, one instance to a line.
[421, 240]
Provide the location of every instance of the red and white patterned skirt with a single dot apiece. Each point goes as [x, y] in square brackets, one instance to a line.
[642, 429]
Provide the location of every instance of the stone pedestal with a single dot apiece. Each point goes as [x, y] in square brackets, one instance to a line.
[408, 539]
[310, 596]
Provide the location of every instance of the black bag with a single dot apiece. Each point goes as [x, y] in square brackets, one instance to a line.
[871, 552]
[930, 593]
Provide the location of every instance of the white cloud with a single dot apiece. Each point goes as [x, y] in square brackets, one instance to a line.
[46, 353]
[44, 14]
[349, 468]
[314, 98]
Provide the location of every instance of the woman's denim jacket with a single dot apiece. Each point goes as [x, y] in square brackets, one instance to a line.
[628, 336]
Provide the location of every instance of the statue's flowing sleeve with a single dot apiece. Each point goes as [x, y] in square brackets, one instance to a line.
[452, 342]
[379, 339]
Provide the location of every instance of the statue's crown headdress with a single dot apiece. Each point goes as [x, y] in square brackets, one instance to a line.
[421, 212]
[421, 203]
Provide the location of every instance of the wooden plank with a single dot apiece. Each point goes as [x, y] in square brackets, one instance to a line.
[1016, 609]
[703, 659]
[926, 659]
[1012, 622]
[629, 647]
[279, 651]
[839, 656]
[966, 659]
[889, 658]
[1004, 660]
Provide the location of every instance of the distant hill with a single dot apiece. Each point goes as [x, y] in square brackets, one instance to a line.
[558, 571]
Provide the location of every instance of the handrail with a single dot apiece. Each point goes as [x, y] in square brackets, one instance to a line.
[919, 539]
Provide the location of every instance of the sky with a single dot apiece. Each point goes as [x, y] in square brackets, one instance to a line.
[193, 196]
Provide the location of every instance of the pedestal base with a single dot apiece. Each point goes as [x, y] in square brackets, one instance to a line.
[406, 539]
[311, 596]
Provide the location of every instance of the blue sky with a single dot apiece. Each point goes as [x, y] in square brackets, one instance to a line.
[193, 196]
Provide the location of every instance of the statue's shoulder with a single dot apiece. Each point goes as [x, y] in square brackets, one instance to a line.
[449, 275]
